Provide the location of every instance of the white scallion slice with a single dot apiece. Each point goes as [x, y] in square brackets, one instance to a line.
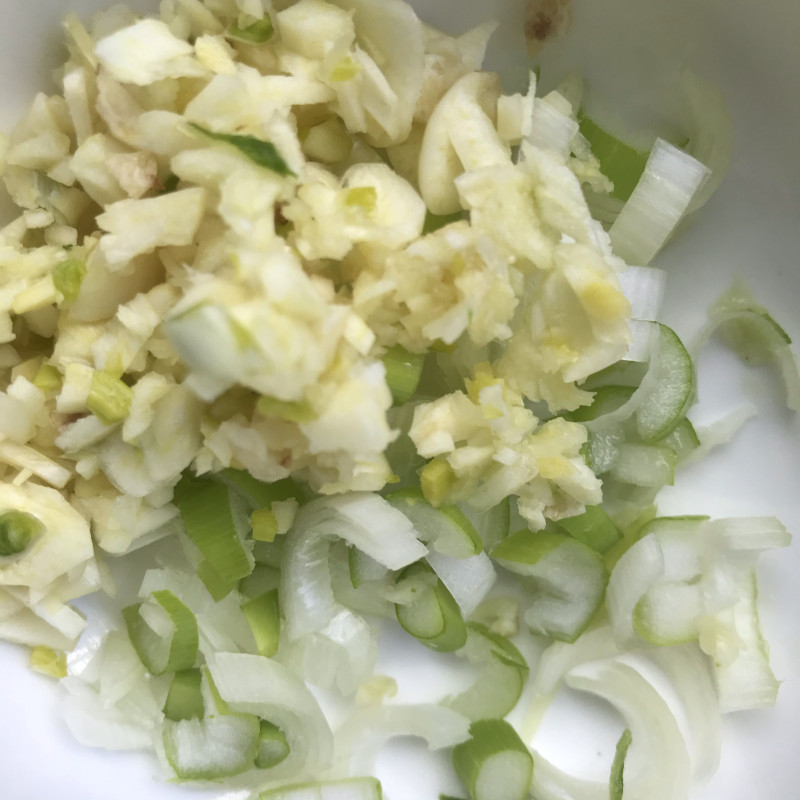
[644, 288]
[446, 529]
[657, 204]
[494, 764]
[268, 690]
[468, 580]
[212, 748]
[569, 577]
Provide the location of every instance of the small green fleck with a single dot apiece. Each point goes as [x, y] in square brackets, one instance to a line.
[435, 221]
[293, 411]
[109, 398]
[68, 276]
[48, 380]
[265, 525]
[345, 70]
[257, 33]
[436, 480]
[47, 661]
[260, 152]
[365, 197]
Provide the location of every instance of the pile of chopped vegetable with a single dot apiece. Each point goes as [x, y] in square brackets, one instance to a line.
[301, 301]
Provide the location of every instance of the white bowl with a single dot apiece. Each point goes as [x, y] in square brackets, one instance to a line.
[630, 50]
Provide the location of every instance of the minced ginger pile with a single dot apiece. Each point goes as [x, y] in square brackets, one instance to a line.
[223, 228]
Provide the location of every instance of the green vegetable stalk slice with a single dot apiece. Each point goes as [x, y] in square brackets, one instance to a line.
[615, 782]
[622, 164]
[264, 617]
[569, 579]
[671, 392]
[185, 698]
[273, 748]
[163, 632]
[446, 528]
[17, 532]
[257, 33]
[433, 617]
[594, 528]
[403, 371]
[501, 680]
[494, 764]
[67, 278]
[208, 515]
[109, 398]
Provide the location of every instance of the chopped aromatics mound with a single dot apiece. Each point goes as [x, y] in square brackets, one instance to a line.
[299, 298]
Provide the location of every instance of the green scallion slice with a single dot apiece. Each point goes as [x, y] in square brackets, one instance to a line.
[273, 747]
[185, 697]
[109, 398]
[433, 617]
[208, 516]
[68, 277]
[163, 631]
[594, 528]
[256, 33]
[403, 371]
[263, 615]
[615, 783]
[17, 532]
[494, 764]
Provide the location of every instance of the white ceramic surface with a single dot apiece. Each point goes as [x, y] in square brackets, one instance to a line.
[630, 50]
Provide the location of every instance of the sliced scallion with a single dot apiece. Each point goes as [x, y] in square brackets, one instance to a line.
[594, 528]
[403, 371]
[68, 277]
[17, 532]
[163, 631]
[569, 577]
[207, 513]
[217, 587]
[258, 32]
[446, 528]
[273, 747]
[615, 782]
[433, 617]
[109, 397]
[264, 617]
[494, 764]
[48, 380]
[185, 697]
